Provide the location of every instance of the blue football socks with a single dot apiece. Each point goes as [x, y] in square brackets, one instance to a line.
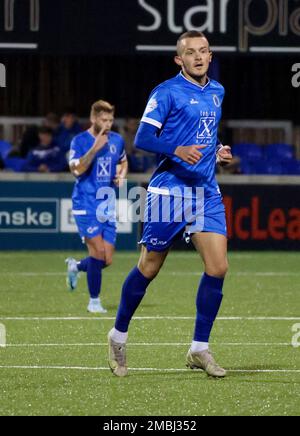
[133, 292]
[208, 303]
[94, 276]
[83, 265]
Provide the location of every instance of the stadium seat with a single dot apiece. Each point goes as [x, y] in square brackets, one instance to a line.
[5, 148]
[280, 152]
[141, 164]
[262, 167]
[291, 167]
[14, 164]
[247, 167]
[248, 151]
[268, 167]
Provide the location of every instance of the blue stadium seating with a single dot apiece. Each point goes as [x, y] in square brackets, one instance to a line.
[248, 151]
[261, 167]
[276, 159]
[280, 152]
[14, 164]
[5, 148]
[292, 167]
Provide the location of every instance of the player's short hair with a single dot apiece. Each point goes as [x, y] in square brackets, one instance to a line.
[190, 34]
[102, 106]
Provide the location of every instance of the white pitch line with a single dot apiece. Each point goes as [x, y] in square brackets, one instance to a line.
[154, 344]
[150, 318]
[83, 368]
[169, 273]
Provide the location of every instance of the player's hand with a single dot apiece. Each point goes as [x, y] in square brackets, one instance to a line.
[224, 156]
[101, 140]
[119, 177]
[190, 154]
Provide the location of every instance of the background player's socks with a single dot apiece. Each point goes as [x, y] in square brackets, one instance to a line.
[94, 276]
[133, 292]
[209, 301]
[82, 265]
[199, 347]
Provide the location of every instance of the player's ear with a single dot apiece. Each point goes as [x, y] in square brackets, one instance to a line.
[210, 56]
[178, 61]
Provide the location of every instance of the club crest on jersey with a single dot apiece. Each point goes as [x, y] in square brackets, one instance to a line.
[217, 101]
[206, 127]
[152, 105]
[113, 149]
[104, 167]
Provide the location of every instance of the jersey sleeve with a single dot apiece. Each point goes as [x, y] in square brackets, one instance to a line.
[158, 107]
[76, 151]
[123, 155]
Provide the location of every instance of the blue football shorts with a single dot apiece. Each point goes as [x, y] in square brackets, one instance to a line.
[89, 227]
[168, 219]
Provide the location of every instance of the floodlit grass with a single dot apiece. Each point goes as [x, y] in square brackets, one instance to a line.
[57, 365]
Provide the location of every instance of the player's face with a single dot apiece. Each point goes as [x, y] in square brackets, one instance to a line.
[104, 120]
[194, 57]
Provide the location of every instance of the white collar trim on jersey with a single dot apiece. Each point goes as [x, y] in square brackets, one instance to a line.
[193, 83]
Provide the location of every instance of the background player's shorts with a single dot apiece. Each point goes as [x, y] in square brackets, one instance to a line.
[89, 227]
[160, 234]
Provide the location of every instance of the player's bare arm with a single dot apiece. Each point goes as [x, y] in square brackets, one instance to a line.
[81, 165]
[122, 171]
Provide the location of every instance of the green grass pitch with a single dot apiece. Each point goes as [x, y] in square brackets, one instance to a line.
[55, 361]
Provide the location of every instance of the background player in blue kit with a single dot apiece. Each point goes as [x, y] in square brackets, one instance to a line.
[181, 123]
[98, 160]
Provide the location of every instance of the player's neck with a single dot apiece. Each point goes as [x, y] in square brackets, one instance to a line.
[202, 81]
[92, 132]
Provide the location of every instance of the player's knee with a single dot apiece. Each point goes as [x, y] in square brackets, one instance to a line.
[149, 269]
[220, 270]
[98, 254]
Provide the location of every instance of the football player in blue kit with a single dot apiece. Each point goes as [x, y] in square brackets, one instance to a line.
[97, 160]
[181, 123]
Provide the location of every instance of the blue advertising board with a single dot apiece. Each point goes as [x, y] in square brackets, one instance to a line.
[38, 216]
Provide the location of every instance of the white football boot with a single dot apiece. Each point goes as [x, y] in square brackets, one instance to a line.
[72, 274]
[95, 306]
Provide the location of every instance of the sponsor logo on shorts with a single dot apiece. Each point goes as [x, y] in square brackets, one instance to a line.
[155, 242]
[92, 230]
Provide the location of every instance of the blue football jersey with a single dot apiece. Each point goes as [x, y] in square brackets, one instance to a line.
[186, 114]
[100, 174]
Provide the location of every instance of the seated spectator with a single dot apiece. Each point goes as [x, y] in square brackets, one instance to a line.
[139, 161]
[69, 128]
[128, 133]
[29, 141]
[47, 157]
[52, 121]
